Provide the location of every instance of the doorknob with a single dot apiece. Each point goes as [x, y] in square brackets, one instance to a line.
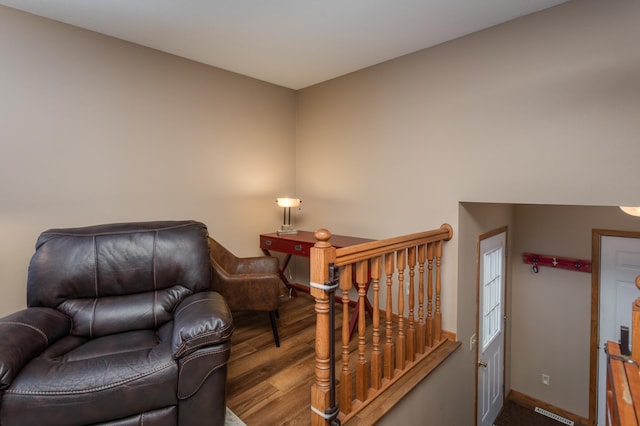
[482, 364]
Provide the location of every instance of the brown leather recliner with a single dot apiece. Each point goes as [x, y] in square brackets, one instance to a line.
[248, 283]
[121, 329]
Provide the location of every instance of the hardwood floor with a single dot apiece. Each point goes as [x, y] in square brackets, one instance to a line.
[267, 385]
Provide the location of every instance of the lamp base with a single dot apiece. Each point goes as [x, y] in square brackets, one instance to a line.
[287, 229]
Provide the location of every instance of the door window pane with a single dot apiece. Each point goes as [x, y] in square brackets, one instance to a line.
[492, 292]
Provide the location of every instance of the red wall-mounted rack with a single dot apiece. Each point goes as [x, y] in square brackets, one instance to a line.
[558, 262]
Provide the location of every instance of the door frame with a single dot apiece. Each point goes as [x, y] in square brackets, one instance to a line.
[486, 235]
[596, 236]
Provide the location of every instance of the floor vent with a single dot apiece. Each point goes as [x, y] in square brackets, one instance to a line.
[553, 416]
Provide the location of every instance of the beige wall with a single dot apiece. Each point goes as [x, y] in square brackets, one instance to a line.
[540, 110]
[95, 130]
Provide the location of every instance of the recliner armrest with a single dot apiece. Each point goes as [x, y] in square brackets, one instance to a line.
[24, 335]
[202, 319]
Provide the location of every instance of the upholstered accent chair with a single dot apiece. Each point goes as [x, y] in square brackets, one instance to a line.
[247, 283]
[121, 328]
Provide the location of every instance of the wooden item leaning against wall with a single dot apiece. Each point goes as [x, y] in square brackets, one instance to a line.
[623, 377]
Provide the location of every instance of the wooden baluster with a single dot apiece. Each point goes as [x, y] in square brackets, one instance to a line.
[376, 353]
[635, 331]
[322, 254]
[421, 325]
[430, 295]
[401, 341]
[437, 318]
[346, 376]
[411, 331]
[635, 326]
[389, 346]
[362, 373]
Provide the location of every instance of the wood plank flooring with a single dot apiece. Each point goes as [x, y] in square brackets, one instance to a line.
[267, 385]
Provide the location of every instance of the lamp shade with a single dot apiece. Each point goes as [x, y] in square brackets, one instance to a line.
[288, 202]
[633, 211]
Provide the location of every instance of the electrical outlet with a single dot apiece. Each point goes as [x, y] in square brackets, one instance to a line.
[546, 380]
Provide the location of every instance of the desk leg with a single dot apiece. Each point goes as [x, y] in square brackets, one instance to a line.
[281, 271]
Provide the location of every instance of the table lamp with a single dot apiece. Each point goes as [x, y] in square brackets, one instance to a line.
[287, 203]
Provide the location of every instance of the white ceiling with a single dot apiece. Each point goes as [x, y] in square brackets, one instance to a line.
[292, 43]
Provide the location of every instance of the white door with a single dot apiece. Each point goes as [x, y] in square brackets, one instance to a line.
[619, 267]
[490, 347]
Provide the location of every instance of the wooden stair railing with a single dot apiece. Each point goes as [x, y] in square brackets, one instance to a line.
[623, 376]
[386, 351]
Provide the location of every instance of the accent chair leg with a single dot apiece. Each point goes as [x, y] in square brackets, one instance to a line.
[274, 327]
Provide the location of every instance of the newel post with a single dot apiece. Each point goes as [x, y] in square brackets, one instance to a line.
[322, 254]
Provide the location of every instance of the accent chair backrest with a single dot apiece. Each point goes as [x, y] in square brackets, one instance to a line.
[222, 258]
[119, 277]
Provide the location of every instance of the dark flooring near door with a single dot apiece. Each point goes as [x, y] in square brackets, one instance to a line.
[513, 414]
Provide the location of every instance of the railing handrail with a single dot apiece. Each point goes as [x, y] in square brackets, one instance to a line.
[363, 251]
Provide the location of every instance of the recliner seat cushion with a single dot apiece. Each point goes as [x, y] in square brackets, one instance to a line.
[163, 417]
[106, 377]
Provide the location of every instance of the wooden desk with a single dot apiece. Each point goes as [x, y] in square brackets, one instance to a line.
[300, 245]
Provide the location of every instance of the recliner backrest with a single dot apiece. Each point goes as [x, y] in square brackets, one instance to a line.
[119, 277]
